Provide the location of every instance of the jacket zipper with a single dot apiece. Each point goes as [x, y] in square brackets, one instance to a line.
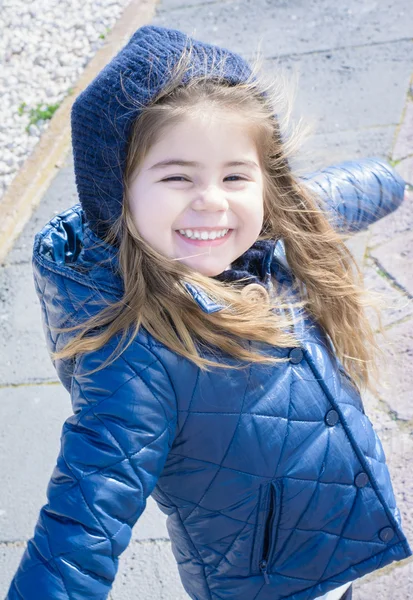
[268, 535]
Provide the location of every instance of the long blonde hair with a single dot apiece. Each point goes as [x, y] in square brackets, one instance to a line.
[326, 276]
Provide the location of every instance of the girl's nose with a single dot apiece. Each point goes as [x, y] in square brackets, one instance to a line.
[210, 198]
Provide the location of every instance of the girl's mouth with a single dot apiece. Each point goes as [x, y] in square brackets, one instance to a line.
[208, 242]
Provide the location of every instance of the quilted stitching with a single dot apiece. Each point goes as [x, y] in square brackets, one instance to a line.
[98, 409]
[360, 194]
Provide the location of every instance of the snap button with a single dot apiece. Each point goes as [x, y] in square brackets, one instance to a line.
[331, 418]
[296, 355]
[361, 480]
[254, 292]
[386, 534]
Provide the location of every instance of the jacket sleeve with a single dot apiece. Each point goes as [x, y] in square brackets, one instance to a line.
[358, 193]
[113, 449]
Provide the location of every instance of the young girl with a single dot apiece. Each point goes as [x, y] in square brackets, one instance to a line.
[205, 315]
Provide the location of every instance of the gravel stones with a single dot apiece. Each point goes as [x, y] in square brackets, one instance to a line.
[43, 50]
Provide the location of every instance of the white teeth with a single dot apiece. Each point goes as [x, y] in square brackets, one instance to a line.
[203, 235]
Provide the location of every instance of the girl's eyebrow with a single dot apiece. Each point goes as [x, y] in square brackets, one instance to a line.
[189, 163]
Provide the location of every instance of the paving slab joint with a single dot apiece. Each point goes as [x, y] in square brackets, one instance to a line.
[24, 384]
[396, 161]
[197, 5]
[400, 138]
[386, 275]
[394, 324]
[404, 425]
[322, 51]
[13, 543]
[148, 541]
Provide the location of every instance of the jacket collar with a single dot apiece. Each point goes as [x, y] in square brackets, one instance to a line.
[254, 264]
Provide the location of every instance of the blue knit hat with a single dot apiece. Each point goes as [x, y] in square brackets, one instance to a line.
[103, 114]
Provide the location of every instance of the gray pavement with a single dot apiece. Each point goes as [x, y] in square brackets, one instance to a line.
[355, 63]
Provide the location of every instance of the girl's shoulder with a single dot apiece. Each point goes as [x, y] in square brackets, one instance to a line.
[67, 248]
[76, 276]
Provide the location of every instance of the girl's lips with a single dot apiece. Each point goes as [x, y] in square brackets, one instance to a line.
[216, 242]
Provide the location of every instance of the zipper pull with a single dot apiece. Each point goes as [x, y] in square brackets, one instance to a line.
[264, 567]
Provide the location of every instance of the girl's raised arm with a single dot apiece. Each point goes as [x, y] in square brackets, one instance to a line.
[359, 192]
[113, 449]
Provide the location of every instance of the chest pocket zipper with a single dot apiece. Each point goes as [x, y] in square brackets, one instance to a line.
[271, 504]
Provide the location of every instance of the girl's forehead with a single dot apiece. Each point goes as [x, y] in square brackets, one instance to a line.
[200, 141]
[207, 114]
[223, 126]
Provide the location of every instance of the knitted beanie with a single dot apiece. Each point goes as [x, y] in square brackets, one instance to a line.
[103, 114]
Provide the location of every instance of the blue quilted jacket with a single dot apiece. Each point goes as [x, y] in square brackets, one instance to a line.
[272, 479]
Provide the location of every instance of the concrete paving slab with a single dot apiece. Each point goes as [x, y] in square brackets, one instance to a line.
[396, 257]
[340, 85]
[287, 27]
[357, 246]
[148, 571]
[10, 555]
[24, 358]
[323, 149]
[399, 579]
[397, 307]
[405, 168]
[31, 419]
[398, 448]
[396, 388]
[395, 224]
[384, 424]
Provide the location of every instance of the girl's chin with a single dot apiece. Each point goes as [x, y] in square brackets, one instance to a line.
[209, 268]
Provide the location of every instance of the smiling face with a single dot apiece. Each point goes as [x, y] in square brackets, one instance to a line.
[197, 196]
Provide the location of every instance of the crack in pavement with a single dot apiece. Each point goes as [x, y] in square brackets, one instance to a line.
[389, 277]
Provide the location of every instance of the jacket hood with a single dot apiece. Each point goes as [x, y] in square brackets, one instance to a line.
[103, 114]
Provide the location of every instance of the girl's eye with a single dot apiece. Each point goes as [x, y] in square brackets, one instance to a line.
[175, 178]
[235, 178]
